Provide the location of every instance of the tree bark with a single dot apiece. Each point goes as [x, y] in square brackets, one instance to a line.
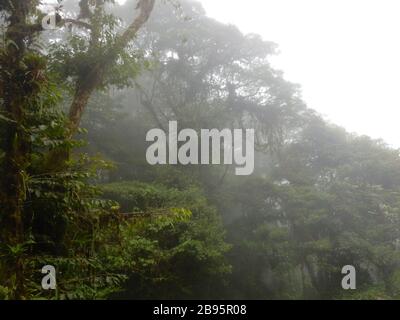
[16, 143]
[88, 83]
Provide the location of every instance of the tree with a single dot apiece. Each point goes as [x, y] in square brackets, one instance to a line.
[22, 81]
[26, 89]
[106, 52]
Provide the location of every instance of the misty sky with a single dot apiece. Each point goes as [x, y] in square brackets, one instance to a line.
[344, 53]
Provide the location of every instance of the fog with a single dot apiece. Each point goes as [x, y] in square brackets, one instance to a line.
[344, 50]
[199, 150]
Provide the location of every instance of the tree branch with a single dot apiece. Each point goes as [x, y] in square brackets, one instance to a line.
[88, 82]
[78, 23]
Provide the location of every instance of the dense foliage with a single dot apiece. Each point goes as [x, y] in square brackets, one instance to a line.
[87, 202]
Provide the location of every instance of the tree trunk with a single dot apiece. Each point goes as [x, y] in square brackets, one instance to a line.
[16, 143]
[88, 83]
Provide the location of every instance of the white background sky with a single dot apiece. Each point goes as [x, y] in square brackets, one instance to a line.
[344, 53]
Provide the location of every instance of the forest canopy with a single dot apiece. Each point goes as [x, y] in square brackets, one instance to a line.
[77, 193]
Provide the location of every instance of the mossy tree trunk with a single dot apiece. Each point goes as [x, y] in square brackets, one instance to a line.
[16, 144]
